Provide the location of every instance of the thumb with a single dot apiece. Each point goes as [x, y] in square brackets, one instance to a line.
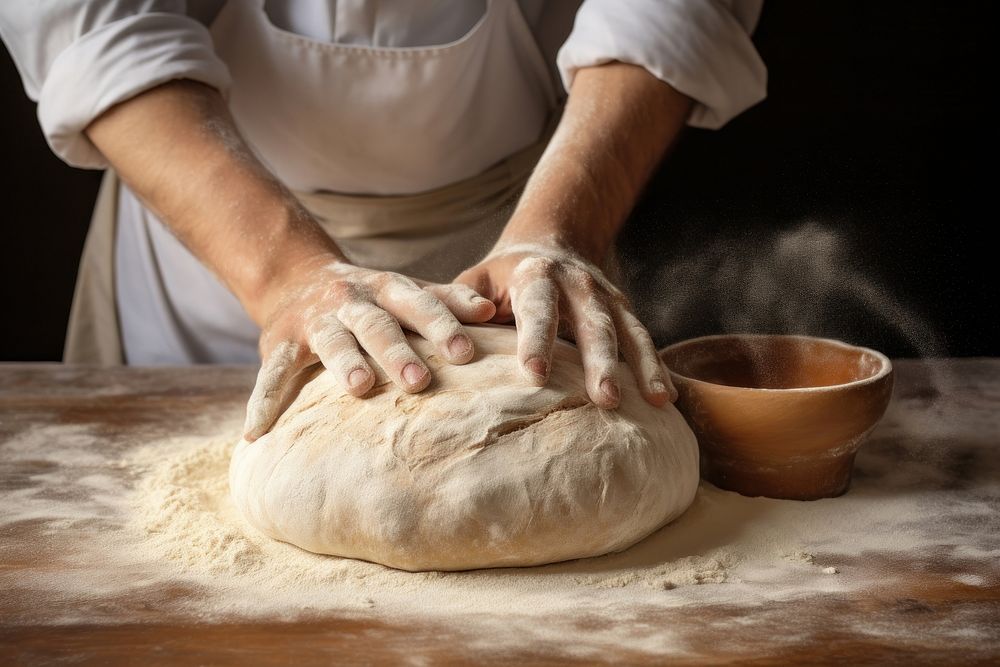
[279, 380]
[467, 305]
[480, 279]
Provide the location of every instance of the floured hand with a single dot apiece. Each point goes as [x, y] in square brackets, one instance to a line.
[333, 310]
[540, 286]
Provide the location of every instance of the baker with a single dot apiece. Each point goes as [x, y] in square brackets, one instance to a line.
[304, 179]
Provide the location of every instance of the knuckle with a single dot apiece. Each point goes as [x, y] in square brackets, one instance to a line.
[349, 312]
[459, 289]
[584, 280]
[400, 279]
[373, 322]
[594, 317]
[440, 291]
[399, 291]
[346, 361]
[533, 311]
[601, 339]
[369, 321]
[443, 328]
[425, 301]
[399, 354]
[619, 301]
[537, 299]
[639, 334]
[342, 290]
[627, 318]
[388, 279]
[330, 338]
[536, 267]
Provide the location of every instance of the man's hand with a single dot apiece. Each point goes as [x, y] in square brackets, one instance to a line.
[619, 121]
[178, 148]
[333, 310]
[544, 286]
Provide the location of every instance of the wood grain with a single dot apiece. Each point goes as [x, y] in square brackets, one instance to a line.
[918, 613]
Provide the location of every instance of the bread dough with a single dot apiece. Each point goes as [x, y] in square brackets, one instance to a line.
[481, 469]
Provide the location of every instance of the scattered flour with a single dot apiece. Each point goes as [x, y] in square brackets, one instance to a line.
[183, 514]
[726, 549]
[112, 524]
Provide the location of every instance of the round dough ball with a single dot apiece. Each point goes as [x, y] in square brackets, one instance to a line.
[481, 469]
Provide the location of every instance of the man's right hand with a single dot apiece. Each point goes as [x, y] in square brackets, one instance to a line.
[330, 310]
[178, 148]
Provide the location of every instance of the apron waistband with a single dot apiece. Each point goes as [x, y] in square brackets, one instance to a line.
[438, 211]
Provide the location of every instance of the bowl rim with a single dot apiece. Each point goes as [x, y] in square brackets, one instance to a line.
[884, 371]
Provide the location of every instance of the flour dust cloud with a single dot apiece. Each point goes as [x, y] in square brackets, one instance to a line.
[807, 279]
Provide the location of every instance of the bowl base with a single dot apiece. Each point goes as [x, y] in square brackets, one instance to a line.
[803, 480]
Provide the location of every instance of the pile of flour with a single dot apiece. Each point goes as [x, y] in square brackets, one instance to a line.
[183, 511]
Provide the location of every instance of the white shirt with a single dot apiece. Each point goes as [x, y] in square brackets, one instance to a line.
[79, 57]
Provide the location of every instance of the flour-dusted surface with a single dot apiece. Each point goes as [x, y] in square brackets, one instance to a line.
[481, 469]
[118, 532]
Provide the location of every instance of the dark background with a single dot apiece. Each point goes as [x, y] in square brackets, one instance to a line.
[854, 202]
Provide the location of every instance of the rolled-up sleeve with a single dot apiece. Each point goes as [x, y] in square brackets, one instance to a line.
[77, 58]
[700, 47]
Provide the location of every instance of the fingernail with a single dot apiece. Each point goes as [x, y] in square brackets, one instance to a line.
[480, 301]
[250, 432]
[413, 374]
[459, 346]
[357, 377]
[537, 366]
[610, 389]
[657, 387]
[250, 426]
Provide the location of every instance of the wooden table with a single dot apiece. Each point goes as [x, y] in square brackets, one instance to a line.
[915, 597]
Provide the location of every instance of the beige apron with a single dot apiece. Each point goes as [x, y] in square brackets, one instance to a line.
[433, 235]
[384, 120]
[348, 118]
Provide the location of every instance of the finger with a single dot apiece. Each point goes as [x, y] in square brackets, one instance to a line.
[479, 280]
[595, 337]
[338, 350]
[476, 279]
[421, 311]
[464, 302]
[640, 354]
[536, 312]
[274, 387]
[379, 333]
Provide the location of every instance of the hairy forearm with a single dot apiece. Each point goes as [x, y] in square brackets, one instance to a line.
[618, 122]
[177, 148]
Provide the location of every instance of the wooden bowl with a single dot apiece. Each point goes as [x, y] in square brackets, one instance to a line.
[779, 416]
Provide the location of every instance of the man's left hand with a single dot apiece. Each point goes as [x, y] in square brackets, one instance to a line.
[542, 286]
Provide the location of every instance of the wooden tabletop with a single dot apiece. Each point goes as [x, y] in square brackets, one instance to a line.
[929, 608]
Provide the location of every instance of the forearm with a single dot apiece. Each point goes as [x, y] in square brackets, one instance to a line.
[177, 148]
[618, 122]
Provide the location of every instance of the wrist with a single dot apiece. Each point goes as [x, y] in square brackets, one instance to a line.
[289, 247]
[551, 237]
